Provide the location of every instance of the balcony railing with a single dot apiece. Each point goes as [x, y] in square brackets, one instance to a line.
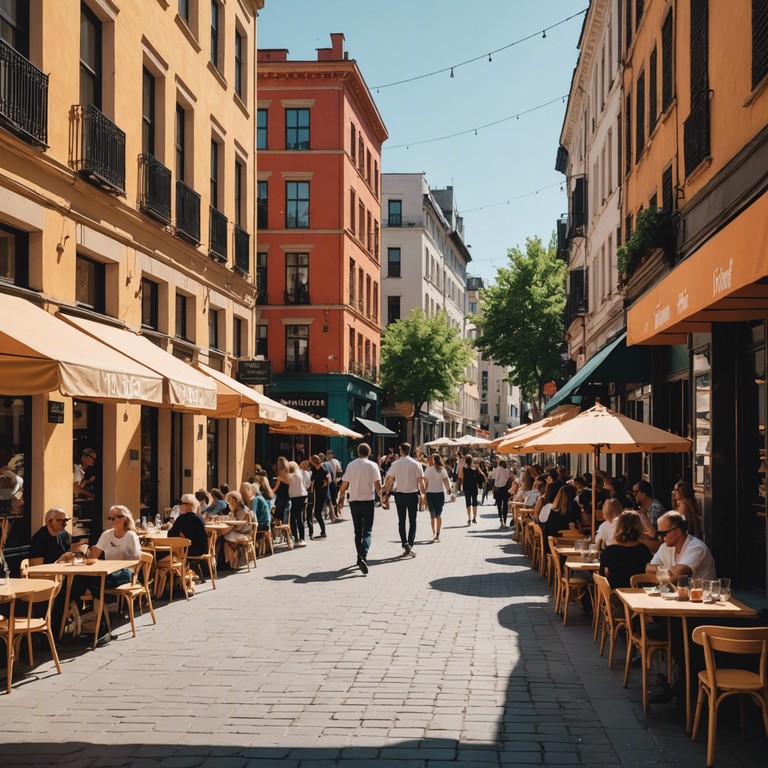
[187, 213]
[155, 188]
[696, 133]
[299, 295]
[217, 236]
[23, 96]
[395, 220]
[99, 151]
[300, 365]
[242, 251]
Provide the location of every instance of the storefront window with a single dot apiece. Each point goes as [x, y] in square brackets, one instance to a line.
[702, 451]
[213, 453]
[14, 475]
[148, 461]
[87, 425]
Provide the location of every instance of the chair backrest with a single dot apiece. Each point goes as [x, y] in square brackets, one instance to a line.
[145, 568]
[643, 580]
[747, 641]
[176, 545]
[47, 595]
[604, 590]
[555, 557]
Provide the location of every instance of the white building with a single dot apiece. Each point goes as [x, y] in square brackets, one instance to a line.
[424, 264]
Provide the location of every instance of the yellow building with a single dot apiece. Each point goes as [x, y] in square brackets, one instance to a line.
[127, 200]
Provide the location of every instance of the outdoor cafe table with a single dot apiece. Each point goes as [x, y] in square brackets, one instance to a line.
[101, 568]
[577, 564]
[638, 601]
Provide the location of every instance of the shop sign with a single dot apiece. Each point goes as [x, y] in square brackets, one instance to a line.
[254, 372]
[55, 412]
[316, 404]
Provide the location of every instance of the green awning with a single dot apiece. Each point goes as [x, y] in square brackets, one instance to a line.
[614, 362]
[375, 428]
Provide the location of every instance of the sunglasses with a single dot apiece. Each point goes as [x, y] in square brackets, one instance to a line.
[116, 517]
[61, 519]
[663, 534]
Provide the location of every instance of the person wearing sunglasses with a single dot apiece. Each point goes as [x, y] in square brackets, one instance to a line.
[682, 554]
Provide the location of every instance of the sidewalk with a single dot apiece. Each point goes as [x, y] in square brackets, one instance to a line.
[452, 657]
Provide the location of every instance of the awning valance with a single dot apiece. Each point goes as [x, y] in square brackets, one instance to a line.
[40, 353]
[235, 400]
[717, 283]
[613, 362]
[375, 428]
[185, 388]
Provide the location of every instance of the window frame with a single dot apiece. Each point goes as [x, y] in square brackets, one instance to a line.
[18, 272]
[97, 283]
[214, 176]
[299, 336]
[262, 131]
[390, 262]
[215, 31]
[261, 342]
[394, 220]
[262, 276]
[150, 293]
[93, 72]
[182, 315]
[180, 141]
[390, 308]
[239, 180]
[298, 130]
[240, 64]
[148, 114]
[296, 266]
[293, 218]
[214, 340]
[262, 204]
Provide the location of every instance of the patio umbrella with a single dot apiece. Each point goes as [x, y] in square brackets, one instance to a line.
[440, 441]
[341, 431]
[527, 432]
[471, 440]
[600, 428]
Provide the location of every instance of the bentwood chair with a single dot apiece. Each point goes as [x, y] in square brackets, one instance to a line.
[612, 616]
[717, 684]
[264, 542]
[7, 612]
[171, 564]
[568, 589]
[209, 557]
[136, 589]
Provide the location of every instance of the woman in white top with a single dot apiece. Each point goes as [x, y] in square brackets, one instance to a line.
[605, 532]
[119, 543]
[501, 479]
[242, 513]
[438, 485]
[297, 491]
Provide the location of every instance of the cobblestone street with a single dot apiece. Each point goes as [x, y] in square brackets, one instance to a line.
[454, 656]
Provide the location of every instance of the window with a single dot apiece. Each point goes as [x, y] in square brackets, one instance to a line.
[667, 200]
[297, 204]
[652, 91]
[628, 134]
[297, 278]
[361, 221]
[262, 207]
[351, 345]
[261, 277]
[353, 143]
[297, 348]
[239, 64]
[239, 192]
[214, 174]
[640, 116]
[368, 166]
[376, 178]
[376, 240]
[149, 297]
[14, 256]
[147, 112]
[181, 316]
[628, 22]
[759, 41]
[90, 57]
[237, 336]
[395, 213]
[261, 128]
[89, 283]
[393, 262]
[360, 152]
[14, 25]
[297, 129]
[352, 210]
[213, 329]
[261, 341]
[393, 309]
[667, 56]
[639, 4]
[215, 11]
[352, 273]
[180, 141]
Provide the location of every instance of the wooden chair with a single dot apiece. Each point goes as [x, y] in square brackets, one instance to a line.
[536, 552]
[544, 554]
[635, 640]
[7, 615]
[264, 540]
[281, 534]
[529, 540]
[196, 561]
[718, 684]
[612, 615]
[14, 627]
[170, 563]
[567, 588]
[136, 589]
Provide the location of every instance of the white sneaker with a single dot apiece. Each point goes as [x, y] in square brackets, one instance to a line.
[301, 543]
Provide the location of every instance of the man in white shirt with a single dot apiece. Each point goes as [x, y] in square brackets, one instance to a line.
[363, 479]
[407, 475]
[682, 554]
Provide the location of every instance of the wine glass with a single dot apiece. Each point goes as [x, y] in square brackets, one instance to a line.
[662, 574]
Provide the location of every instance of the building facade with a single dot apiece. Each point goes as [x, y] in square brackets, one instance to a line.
[319, 208]
[425, 266]
[127, 203]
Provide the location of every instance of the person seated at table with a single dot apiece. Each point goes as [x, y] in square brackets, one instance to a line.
[218, 505]
[687, 506]
[261, 509]
[236, 533]
[266, 490]
[561, 513]
[203, 499]
[611, 511]
[627, 555]
[682, 554]
[544, 502]
[617, 490]
[190, 525]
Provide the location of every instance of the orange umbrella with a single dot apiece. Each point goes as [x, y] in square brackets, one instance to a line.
[523, 435]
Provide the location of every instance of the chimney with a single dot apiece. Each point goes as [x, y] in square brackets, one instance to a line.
[272, 54]
[335, 52]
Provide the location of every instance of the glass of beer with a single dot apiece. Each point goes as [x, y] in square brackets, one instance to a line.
[696, 590]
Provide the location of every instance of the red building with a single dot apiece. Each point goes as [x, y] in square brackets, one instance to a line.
[319, 140]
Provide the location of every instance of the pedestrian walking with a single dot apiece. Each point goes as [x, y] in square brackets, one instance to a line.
[438, 484]
[407, 476]
[297, 491]
[363, 479]
[501, 480]
[472, 479]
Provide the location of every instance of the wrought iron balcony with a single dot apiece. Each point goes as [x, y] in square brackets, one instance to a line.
[99, 151]
[242, 251]
[696, 133]
[154, 188]
[299, 295]
[187, 213]
[217, 235]
[23, 96]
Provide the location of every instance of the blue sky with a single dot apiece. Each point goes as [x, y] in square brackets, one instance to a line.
[402, 39]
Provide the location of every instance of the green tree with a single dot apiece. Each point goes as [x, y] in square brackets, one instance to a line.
[423, 359]
[521, 317]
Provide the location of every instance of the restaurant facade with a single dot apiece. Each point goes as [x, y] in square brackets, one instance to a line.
[127, 228]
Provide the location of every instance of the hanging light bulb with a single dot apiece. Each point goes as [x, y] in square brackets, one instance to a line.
[490, 58]
[451, 71]
[544, 35]
[475, 131]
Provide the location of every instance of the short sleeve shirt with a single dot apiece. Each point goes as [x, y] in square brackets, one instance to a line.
[406, 472]
[695, 554]
[126, 548]
[435, 478]
[362, 474]
[655, 511]
[50, 548]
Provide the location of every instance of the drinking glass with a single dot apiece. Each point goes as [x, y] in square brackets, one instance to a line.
[725, 590]
[683, 588]
[593, 546]
[697, 590]
[711, 591]
[662, 574]
[578, 545]
[78, 556]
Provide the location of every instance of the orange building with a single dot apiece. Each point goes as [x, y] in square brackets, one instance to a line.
[696, 143]
[319, 140]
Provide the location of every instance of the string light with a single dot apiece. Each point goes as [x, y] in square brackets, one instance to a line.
[475, 129]
[482, 56]
[544, 35]
[513, 199]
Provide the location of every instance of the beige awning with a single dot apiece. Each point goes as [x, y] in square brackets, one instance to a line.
[185, 388]
[300, 423]
[236, 400]
[40, 353]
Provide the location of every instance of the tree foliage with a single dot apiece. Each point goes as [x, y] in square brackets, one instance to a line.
[521, 316]
[423, 358]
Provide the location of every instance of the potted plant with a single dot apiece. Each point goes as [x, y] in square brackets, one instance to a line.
[654, 230]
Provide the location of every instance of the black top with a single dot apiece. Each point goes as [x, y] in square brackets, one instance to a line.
[558, 521]
[50, 548]
[623, 562]
[319, 474]
[192, 527]
[281, 492]
[471, 478]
